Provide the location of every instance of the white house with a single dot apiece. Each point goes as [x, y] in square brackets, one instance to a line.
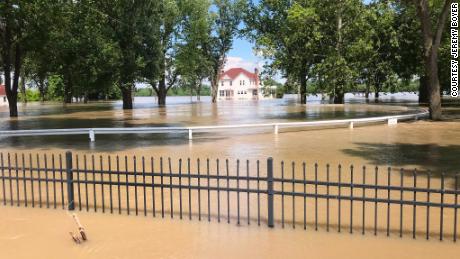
[238, 83]
[3, 100]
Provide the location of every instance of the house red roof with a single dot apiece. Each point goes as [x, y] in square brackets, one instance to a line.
[234, 72]
[2, 90]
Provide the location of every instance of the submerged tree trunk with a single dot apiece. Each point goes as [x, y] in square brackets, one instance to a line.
[339, 96]
[367, 92]
[303, 88]
[162, 91]
[127, 92]
[85, 98]
[41, 89]
[198, 92]
[214, 86]
[68, 86]
[423, 90]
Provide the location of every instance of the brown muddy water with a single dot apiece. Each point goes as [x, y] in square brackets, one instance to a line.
[43, 233]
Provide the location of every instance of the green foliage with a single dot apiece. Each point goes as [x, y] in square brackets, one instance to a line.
[32, 95]
[55, 88]
[224, 25]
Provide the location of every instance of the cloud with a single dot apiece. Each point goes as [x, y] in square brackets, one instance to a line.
[249, 65]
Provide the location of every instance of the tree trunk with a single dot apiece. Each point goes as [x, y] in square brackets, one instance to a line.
[11, 88]
[162, 91]
[431, 42]
[434, 94]
[338, 91]
[13, 105]
[85, 98]
[214, 86]
[303, 89]
[68, 90]
[198, 93]
[339, 97]
[367, 92]
[41, 89]
[423, 90]
[377, 92]
[23, 90]
[127, 93]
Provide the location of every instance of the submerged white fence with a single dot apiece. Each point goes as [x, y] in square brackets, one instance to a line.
[276, 126]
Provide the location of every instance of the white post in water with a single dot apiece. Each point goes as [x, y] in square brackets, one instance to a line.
[92, 135]
[392, 121]
[275, 128]
[351, 125]
[190, 134]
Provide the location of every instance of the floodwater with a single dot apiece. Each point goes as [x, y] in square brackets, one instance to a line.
[178, 112]
[43, 233]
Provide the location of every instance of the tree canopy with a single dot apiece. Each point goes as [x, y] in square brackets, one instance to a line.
[100, 49]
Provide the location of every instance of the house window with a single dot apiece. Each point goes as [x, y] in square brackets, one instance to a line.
[243, 82]
[231, 83]
[222, 83]
[222, 93]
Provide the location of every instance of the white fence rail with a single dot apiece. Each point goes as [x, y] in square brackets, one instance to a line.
[276, 126]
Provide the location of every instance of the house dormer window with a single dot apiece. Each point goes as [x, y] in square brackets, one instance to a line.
[222, 83]
[231, 83]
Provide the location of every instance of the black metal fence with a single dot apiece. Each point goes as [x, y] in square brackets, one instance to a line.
[391, 202]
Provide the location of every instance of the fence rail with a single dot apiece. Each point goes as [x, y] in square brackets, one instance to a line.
[276, 126]
[394, 202]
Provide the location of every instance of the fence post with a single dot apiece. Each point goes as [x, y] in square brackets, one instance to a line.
[270, 192]
[92, 135]
[69, 176]
[190, 134]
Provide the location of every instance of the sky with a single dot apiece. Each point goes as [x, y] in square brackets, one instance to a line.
[242, 55]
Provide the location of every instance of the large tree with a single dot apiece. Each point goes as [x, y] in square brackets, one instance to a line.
[287, 33]
[126, 20]
[162, 74]
[380, 48]
[84, 55]
[432, 36]
[22, 26]
[193, 62]
[343, 26]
